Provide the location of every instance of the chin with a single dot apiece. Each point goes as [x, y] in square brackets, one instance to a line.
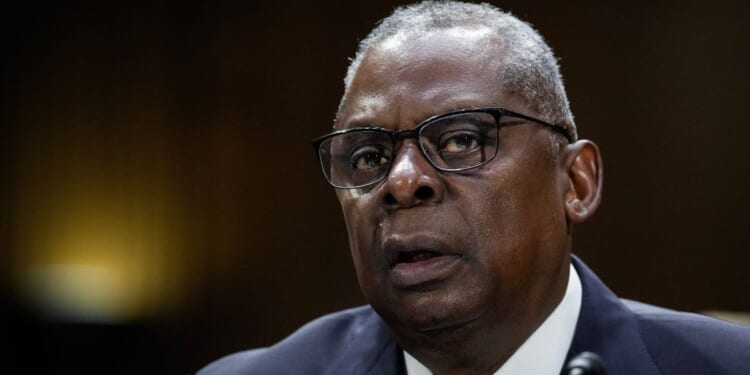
[429, 312]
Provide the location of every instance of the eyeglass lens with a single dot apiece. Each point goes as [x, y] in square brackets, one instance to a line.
[451, 143]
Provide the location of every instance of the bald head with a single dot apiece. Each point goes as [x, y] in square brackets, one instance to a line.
[526, 67]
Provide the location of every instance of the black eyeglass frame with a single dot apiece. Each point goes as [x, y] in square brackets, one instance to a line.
[497, 112]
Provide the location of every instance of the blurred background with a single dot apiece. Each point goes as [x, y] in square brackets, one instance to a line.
[160, 204]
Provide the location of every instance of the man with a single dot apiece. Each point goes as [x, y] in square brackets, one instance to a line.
[460, 173]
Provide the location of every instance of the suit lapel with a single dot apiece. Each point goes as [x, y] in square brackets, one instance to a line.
[391, 362]
[608, 328]
[372, 351]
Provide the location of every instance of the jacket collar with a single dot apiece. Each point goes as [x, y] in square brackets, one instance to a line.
[608, 328]
[605, 326]
[372, 351]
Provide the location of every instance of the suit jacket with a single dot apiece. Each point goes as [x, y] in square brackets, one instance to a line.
[631, 337]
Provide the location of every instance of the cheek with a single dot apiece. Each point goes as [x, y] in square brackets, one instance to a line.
[495, 210]
[362, 226]
[359, 225]
[516, 217]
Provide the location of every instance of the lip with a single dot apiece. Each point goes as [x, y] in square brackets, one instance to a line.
[442, 263]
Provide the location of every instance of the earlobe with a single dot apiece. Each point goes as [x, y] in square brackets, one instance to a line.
[583, 164]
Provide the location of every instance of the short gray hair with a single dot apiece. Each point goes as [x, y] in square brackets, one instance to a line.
[531, 69]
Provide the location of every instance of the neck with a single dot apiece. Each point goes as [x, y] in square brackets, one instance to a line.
[470, 348]
[481, 345]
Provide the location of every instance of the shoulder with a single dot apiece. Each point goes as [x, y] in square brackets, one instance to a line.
[681, 340]
[310, 350]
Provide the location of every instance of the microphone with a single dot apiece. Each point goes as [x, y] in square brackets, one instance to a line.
[586, 363]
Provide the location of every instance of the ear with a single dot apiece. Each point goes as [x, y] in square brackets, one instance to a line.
[583, 165]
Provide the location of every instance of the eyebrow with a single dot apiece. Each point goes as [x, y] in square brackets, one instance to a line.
[358, 124]
[373, 124]
[363, 124]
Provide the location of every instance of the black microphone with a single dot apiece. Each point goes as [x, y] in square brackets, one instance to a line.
[586, 363]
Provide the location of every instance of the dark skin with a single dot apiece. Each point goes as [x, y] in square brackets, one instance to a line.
[498, 235]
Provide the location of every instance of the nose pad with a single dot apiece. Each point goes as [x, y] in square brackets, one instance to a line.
[412, 180]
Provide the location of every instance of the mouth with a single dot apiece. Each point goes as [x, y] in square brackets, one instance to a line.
[419, 261]
[415, 256]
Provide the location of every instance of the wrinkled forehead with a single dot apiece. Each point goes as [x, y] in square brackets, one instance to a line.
[440, 70]
[413, 52]
[455, 39]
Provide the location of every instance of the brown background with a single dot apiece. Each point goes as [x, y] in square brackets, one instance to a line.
[174, 142]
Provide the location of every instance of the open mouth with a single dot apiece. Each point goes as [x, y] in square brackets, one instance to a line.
[417, 268]
[416, 256]
[418, 260]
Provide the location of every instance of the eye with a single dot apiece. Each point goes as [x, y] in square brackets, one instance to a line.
[460, 142]
[368, 158]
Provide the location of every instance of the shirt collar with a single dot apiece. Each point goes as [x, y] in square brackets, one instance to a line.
[552, 337]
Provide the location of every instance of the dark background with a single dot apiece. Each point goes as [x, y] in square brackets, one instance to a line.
[161, 205]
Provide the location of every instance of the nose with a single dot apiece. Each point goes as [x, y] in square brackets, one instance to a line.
[412, 180]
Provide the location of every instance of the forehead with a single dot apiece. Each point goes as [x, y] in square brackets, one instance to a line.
[409, 77]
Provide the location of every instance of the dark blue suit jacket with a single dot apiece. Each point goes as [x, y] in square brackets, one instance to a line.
[632, 338]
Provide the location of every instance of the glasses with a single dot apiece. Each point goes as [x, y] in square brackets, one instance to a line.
[450, 142]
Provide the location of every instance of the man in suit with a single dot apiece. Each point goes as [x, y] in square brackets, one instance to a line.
[460, 173]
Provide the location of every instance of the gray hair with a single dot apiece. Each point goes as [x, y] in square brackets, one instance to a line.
[530, 67]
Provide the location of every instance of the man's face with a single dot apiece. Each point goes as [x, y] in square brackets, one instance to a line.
[435, 251]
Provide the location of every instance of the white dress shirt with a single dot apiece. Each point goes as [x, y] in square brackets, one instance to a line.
[544, 352]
